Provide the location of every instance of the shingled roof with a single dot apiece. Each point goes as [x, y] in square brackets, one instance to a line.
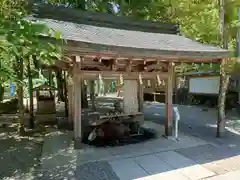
[101, 19]
[146, 39]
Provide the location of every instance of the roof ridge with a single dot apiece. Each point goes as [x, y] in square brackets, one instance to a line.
[44, 10]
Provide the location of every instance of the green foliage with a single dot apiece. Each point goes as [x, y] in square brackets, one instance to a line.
[20, 39]
[198, 19]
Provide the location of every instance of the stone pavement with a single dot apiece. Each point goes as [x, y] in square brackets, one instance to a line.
[190, 158]
[234, 175]
[198, 155]
[187, 159]
[164, 165]
[156, 159]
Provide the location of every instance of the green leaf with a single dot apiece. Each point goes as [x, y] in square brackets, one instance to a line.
[57, 35]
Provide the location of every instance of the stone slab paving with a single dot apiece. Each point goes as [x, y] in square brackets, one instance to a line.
[164, 176]
[234, 175]
[188, 159]
[125, 158]
[169, 160]
[128, 169]
[218, 159]
[165, 165]
[59, 159]
[160, 144]
[157, 168]
[91, 154]
[185, 165]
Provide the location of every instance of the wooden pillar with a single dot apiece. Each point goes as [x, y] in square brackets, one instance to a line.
[92, 93]
[70, 97]
[70, 102]
[84, 99]
[65, 95]
[169, 101]
[77, 102]
[140, 97]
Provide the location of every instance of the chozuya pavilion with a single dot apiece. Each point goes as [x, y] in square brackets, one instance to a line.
[111, 47]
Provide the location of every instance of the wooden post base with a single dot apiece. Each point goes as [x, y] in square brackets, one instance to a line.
[78, 143]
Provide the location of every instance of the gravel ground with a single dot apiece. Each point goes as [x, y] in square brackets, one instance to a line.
[99, 170]
[19, 156]
[199, 122]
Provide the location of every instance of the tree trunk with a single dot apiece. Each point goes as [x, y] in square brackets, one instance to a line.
[81, 4]
[20, 97]
[224, 78]
[50, 80]
[224, 81]
[1, 92]
[30, 86]
[238, 54]
[60, 85]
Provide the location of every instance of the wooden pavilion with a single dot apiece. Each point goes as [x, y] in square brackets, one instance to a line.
[117, 47]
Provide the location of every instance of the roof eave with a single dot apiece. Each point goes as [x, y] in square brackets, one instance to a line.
[83, 48]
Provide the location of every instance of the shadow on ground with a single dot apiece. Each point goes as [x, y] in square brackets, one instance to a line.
[18, 155]
[219, 155]
[197, 122]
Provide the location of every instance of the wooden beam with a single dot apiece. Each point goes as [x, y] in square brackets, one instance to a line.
[169, 101]
[62, 64]
[125, 75]
[156, 66]
[128, 67]
[114, 65]
[168, 58]
[91, 63]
